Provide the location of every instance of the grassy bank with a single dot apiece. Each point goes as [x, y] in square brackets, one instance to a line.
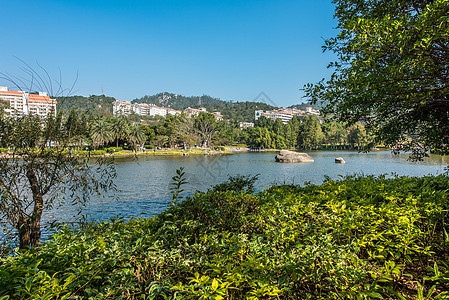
[350, 239]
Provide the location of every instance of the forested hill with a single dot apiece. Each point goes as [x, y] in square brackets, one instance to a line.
[237, 111]
[304, 105]
[92, 105]
[102, 105]
[179, 102]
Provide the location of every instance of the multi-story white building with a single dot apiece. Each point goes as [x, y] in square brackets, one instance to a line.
[285, 114]
[244, 125]
[23, 103]
[125, 108]
[196, 111]
[171, 111]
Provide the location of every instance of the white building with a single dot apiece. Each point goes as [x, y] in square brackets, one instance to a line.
[122, 108]
[244, 125]
[196, 111]
[125, 108]
[23, 103]
[285, 114]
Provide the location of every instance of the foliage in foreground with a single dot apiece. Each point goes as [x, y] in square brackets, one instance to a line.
[361, 237]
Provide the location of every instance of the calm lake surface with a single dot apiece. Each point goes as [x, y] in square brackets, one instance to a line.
[144, 183]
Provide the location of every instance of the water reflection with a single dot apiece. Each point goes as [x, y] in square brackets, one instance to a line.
[144, 183]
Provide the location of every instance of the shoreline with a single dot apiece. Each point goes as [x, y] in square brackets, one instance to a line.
[193, 151]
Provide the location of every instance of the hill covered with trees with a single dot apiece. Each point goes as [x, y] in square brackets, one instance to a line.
[236, 111]
[92, 105]
[102, 105]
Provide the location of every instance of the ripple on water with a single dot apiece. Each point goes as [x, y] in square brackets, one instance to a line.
[144, 184]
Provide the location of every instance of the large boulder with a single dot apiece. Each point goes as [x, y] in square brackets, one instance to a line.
[293, 157]
[339, 160]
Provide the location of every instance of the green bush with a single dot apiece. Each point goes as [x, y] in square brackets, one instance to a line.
[237, 183]
[93, 152]
[113, 149]
[357, 238]
[3, 150]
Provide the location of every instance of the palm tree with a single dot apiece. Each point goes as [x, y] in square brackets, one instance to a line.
[100, 132]
[120, 129]
[136, 136]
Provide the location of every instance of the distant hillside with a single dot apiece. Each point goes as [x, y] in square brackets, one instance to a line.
[237, 111]
[304, 105]
[179, 102]
[102, 105]
[92, 105]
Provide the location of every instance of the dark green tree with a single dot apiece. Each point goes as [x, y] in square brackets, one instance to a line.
[136, 136]
[206, 127]
[311, 134]
[100, 132]
[264, 122]
[120, 129]
[391, 71]
[278, 127]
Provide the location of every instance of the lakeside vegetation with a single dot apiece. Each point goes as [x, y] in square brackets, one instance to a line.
[355, 238]
[103, 133]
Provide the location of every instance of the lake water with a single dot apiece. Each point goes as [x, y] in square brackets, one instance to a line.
[144, 183]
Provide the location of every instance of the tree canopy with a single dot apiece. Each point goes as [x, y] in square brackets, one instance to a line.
[391, 71]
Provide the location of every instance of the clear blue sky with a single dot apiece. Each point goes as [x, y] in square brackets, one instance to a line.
[228, 49]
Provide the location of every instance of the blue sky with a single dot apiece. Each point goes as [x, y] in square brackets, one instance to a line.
[232, 50]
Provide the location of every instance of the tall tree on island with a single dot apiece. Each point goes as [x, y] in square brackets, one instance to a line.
[391, 71]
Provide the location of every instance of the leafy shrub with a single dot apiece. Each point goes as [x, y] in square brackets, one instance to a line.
[94, 152]
[3, 150]
[113, 149]
[238, 183]
[220, 148]
[355, 238]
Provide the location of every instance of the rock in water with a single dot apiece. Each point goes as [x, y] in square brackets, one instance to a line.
[293, 157]
[339, 160]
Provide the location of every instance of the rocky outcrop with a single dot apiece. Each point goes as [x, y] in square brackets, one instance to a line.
[287, 156]
[339, 160]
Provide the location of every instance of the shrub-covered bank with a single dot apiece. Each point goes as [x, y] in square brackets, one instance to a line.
[361, 237]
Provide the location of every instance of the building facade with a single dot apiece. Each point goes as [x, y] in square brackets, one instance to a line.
[125, 108]
[196, 111]
[285, 114]
[22, 103]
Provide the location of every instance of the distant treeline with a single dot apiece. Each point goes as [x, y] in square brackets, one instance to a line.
[204, 130]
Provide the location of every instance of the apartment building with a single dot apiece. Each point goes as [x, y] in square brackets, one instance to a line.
[195, 111]
[123, 108]
[285, 114]
[126, 108]
[23, 103]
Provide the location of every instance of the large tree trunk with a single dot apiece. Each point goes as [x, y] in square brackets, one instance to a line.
[24, 233]
[33, 225]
